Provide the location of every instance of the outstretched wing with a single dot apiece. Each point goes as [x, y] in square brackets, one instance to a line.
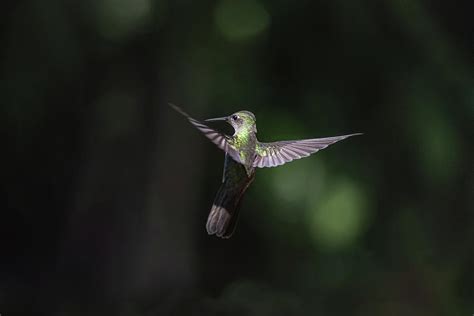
[278, 153]
[221, 140]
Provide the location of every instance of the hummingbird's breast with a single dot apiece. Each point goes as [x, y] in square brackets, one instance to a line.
[246, 145]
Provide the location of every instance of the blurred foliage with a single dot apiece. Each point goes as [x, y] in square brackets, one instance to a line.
[107, 190]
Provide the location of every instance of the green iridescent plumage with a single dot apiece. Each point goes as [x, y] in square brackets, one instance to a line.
[244, 153]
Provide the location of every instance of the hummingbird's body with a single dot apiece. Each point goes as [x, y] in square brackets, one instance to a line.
[244, 153]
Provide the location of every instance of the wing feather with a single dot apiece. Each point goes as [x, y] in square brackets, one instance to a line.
[221, 140]
[278, 153]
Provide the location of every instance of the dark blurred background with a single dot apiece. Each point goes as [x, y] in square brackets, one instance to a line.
[107, 190]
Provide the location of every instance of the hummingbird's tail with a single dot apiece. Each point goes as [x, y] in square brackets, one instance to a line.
[224, 213]
[225, 210]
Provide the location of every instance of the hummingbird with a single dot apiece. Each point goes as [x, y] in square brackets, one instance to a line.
[243, 154]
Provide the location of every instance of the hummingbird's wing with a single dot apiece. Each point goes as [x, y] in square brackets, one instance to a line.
[278, 153]
[221, 140]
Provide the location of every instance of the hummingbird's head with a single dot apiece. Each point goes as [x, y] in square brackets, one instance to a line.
[242, 121]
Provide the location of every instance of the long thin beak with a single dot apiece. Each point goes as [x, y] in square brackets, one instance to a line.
[217, 119]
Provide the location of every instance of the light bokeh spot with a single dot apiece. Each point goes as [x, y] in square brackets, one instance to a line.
[339, 216]
[291, 185]
[435, 139]
[294, 183]
[240, 20]
[117, 19]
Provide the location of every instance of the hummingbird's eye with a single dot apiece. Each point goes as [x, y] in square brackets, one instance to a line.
[234, 117]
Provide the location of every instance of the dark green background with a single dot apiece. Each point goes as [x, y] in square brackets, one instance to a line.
[107, 190]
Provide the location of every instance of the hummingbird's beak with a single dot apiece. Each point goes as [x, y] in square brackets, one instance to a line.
[218, 119]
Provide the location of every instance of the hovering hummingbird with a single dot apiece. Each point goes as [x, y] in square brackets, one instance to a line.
[243, 154]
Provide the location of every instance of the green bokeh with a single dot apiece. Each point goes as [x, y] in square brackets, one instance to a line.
[119, 19]
[240, 20]
[340, 215]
